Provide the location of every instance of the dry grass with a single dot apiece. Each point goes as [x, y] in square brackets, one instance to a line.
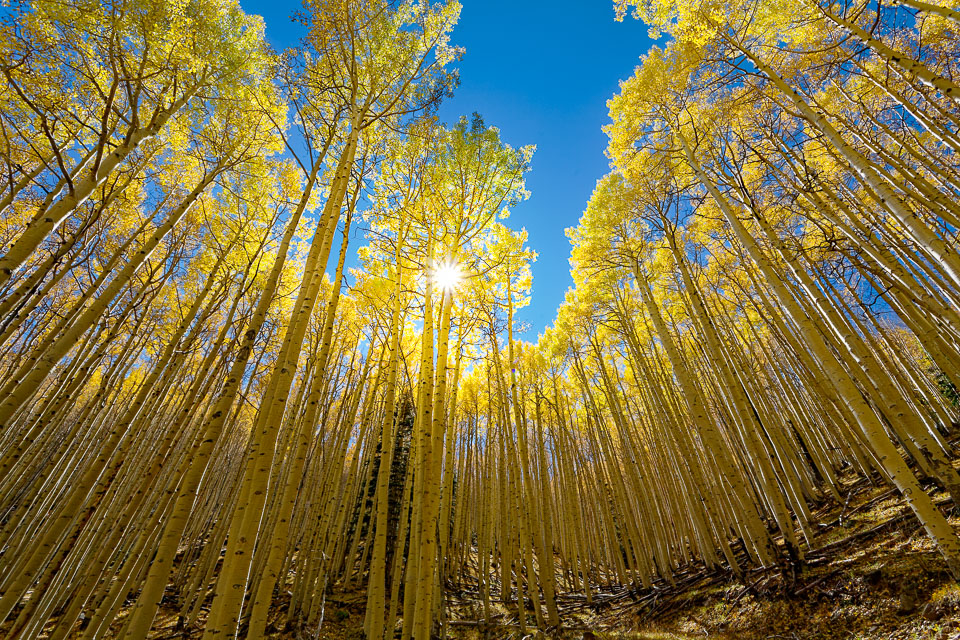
[855, 592]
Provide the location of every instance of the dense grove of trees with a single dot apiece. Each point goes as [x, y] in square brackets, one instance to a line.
[201, 410]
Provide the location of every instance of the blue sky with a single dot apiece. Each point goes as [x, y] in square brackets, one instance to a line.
[542, 73]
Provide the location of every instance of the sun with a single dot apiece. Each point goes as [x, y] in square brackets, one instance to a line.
[447, 275]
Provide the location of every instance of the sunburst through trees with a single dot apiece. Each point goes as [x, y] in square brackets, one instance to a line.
[202, 413]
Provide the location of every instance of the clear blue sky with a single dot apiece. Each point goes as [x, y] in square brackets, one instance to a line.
[541, 72]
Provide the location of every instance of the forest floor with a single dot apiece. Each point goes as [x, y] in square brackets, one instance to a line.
[872, 573]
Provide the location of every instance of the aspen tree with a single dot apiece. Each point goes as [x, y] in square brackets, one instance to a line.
[931, 7]
[933, 521]
[366, 104]
[162, 562]
[911, 66]
[234, 53]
